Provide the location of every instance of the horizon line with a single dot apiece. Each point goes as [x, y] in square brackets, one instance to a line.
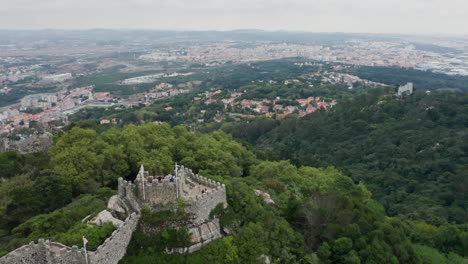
[432, 34]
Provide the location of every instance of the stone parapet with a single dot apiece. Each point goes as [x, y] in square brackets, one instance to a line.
[145, 191]
[114, 247]
[204, 203]
[46, 252]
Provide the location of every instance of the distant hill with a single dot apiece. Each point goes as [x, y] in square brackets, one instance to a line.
[9, 36]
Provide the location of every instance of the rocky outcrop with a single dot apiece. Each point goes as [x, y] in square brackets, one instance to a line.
[201, 235]
[34, 143]
[105, 216]
[266, 196]
[118, 207]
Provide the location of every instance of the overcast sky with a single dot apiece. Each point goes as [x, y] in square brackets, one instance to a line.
[376, 16]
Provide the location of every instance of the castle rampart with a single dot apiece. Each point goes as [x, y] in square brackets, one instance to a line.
[26, 253]
[114, 248]
[47, 252]
[202, 205]
[128, 192]
[61, 254]
[200, 194]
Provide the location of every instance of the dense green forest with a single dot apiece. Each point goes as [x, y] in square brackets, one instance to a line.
[320, 215]
[421, 79]
[410, 152]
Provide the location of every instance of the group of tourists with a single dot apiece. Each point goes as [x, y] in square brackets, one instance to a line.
[203, 190]
[170, 177]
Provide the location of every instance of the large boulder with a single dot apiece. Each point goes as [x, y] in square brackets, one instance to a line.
[104, 217]
[118, 207]
[33, 143]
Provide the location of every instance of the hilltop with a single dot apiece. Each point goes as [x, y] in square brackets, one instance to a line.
[353, 226]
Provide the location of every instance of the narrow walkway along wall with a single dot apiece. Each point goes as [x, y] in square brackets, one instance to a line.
[31, 253]
[46, 252]
[204, 203]
[115, 247]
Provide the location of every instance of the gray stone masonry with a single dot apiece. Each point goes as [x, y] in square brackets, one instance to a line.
[46, 252]
[201, 195]
[201, 235]
[114, 248]
[200, 202]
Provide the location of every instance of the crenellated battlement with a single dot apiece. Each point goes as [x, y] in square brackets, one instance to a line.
[27, 252]
[200, 194]
[60, 252]
[184, 184]
[48, 252]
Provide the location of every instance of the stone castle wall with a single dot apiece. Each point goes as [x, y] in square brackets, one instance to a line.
[45, 252]
[27, 253]
[114, 248]
[128, 192]
[61, 254]
[147, 191]
[188, 174]
[205, 203]
[201, 205]
[158, 192]
[134, 196]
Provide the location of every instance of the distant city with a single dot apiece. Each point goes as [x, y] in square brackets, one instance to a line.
[44, 74]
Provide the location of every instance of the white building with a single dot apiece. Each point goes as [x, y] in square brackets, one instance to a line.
[405, 89]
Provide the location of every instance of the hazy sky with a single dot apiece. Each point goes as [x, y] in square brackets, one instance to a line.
[377, 16]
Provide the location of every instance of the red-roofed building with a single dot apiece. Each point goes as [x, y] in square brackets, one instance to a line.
[102, 97]
[246, 103]
[291, 108]
[322, 105]
[278, 107]
[310, 109]
[228, 100]
[265, 108]
[310, 99]
[302, 102]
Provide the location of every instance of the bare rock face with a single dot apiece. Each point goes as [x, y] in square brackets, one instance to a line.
[205, 232]
[104, 217]
[34, 143]
[201, 235]
[117, 207]
[266, 197]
